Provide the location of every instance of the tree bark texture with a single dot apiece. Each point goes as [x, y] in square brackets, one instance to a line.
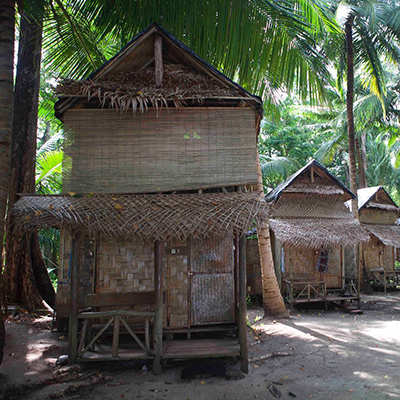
[26, 276]
[362, 165]
[7, 23]
[350, 115]
[7, 26]
[273, 303]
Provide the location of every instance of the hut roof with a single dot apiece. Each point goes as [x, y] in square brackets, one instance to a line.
[388, 234]
[147, 216]
[312, 213]
[311, 233]
[367, 198]
[335, 186]
[127, 79]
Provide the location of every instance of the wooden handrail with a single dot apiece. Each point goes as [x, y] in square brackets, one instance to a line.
[116, 318]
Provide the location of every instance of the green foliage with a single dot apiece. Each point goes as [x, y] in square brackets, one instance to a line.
[263, 45]
[293, 140]
[49, 240]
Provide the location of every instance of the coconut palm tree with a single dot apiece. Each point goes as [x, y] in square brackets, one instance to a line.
[371, 31]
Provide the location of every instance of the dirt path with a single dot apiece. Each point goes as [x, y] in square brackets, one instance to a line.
[314, 355]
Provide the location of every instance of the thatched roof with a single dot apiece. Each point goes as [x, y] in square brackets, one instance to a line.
[294, 184]
[366, 198]
[388, 234]
[127, 79]
[145, 217]
[311, 233]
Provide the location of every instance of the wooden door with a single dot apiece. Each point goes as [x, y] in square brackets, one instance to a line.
[389, 258]
[211, 274]
[176, 287]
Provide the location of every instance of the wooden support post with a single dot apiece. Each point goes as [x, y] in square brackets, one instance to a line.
[158, 319]
[158, 60]
[236, 271]
[244, 357]
[74, 300]
[115, 343]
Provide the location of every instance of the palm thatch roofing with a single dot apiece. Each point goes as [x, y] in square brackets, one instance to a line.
[317, 233]
[388, 234]
[335, 186]
[308, 211]
[127, 81]
[145, 217]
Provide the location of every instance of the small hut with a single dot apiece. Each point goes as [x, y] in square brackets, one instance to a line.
[311, 226]
[160, 154]
[378, 214]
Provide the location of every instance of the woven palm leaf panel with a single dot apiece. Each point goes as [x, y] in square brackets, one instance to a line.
[212, 281]
[189, 148]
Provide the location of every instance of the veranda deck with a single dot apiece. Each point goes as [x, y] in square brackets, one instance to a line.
[300, 293]
[172, 349]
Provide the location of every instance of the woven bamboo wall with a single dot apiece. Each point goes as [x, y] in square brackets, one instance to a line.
[379, 217]
[377, 255]
[179, 149]
[300, 264]
[124, 267]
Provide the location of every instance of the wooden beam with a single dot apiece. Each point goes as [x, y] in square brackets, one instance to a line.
[158, 319]
[244, 357]
[158, 60]
[74, 300]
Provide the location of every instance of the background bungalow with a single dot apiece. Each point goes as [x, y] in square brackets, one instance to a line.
[311, 226]
[378, 215]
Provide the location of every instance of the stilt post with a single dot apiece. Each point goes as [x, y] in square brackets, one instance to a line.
[74, 300]
[158, 319]
[244, 357]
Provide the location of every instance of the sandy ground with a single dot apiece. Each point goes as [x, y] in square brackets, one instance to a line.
[315, 355]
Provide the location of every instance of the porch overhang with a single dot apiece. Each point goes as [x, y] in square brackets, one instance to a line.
[316, 233]
[388, 234]
[147, 217]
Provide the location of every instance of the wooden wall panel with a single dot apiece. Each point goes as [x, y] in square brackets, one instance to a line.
[191, 148]
[253, 268]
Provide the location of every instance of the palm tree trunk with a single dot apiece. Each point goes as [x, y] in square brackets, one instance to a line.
[26, 277]
[272, 298]
[350, 115]
[361, 161]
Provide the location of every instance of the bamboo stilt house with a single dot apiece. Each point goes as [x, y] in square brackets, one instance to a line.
[378, 214]
[160, 152]
[311, 226]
